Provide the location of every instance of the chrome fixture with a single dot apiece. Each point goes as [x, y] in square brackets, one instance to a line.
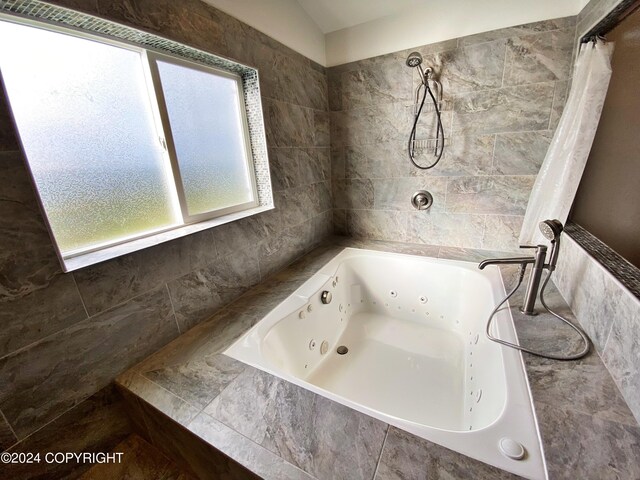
[421, 200]
[414, 60]
[325, 297]
[551, 230]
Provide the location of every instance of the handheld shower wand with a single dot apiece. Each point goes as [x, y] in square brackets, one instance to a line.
[551, 230]
[414, 60]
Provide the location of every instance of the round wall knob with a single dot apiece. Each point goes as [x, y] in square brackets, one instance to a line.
[421, 200]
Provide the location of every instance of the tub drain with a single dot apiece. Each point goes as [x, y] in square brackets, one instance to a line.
[342, 350]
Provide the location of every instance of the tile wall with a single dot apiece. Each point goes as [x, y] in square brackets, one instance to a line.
[504, 92]
[66, 336]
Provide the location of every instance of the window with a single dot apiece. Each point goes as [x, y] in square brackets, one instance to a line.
[124, 143]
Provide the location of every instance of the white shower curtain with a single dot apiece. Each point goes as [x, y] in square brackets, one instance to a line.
[557, 182]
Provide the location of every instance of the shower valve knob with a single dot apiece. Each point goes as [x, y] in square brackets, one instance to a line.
[422, 200]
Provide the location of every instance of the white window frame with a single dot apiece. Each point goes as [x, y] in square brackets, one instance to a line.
[80, 258]
[159, 104]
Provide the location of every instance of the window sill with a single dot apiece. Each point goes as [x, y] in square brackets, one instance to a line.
[91, 258]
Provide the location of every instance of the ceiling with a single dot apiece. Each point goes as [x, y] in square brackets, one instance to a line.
[332, 15]
[333, 32]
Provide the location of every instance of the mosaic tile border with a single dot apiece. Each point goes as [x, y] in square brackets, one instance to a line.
[36, 9]
[613, 262]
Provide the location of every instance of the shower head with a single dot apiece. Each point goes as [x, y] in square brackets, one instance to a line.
[414, 60]
[551, 229]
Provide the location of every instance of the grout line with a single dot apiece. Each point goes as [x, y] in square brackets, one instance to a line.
[4, 417]
[384, 441]
[504, 63]
[75, 282]
[40, 340]
[173, 309]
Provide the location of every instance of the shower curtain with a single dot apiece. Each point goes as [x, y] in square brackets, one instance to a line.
[557, 182]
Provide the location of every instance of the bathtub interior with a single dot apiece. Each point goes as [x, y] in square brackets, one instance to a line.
[414, 332]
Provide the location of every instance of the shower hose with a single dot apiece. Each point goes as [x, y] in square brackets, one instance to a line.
[439, 129]
[585, 339]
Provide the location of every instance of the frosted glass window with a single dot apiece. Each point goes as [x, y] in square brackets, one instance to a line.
[83, 113]
[206, 121]
[124, 143]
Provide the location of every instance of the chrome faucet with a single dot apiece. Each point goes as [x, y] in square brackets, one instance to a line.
[551, 229]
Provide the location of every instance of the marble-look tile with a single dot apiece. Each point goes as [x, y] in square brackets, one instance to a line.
[337, 163]
[246, 233]
[581, 446]
[509, 109]
[321, 198]
[622, 350]
[289, 78]
[284, 164]
[7, 437]
[470, 254]
[520, 153]
[463, 155]
[475, 67]
[501, 232]
[577, 277]
[440, 228]
[36, 298]
[285, 419]
[323, 226]
[377, 160]
[110, 283]
[376, 123]
[200, 381]
[321, 129]
[585, 385]
[340, 226]
[264, 297]
[353, 193]
[489, 195]
[95, 425]
[67, 367]
[407, 457]
[288, 125]
[132, 405]
[210, 337]
[396, 247]
[249, 454]
[560, 94]
[276, 253]
[377, 224]
[189, 451]
[139, 387]
[334, 87]
[199, 294]
[396, 193]
[386, 80]
[519, 30]
[297, 203]
[540, 57]
[315, 165]
[140, 461]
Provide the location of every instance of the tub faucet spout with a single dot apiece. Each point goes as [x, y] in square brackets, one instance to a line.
[534, 279]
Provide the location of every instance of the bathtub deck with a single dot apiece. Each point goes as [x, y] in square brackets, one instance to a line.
[402, 368]
[224, 419]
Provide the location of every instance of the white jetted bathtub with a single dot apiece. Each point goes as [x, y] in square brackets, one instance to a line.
[417, 356]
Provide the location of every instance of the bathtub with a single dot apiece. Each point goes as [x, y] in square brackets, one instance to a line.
[416, 353]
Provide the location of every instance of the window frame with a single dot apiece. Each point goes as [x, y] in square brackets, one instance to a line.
[164, 126]
[189, 224]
